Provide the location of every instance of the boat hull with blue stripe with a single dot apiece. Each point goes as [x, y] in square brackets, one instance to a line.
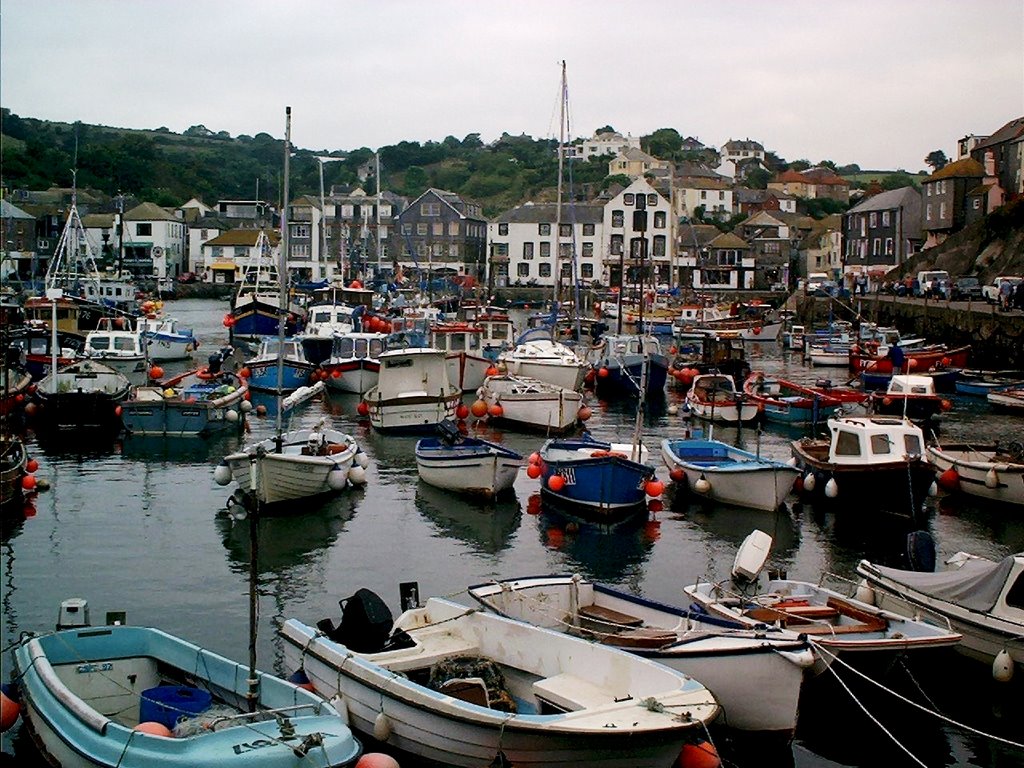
[193, 404]
[83, 692]
[598, 478]
[264, 371]
[720, 472]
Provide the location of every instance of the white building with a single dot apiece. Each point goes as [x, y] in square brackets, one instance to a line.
[610, 143]
[522, 244]
[638, 221]
[226, 256]
[154, 242]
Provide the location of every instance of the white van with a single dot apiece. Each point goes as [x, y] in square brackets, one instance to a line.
[928, 280]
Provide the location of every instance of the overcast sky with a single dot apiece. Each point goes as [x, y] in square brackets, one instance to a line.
[880, 83]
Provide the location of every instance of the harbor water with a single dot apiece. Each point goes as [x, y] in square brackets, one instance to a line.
[140, 526]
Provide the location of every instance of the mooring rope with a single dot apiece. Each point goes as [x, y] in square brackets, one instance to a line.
[901, 697]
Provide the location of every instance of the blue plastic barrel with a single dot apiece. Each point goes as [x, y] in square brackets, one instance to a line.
[166, 704]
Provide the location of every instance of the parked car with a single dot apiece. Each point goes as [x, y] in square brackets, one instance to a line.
[991, 291]
[966, 289]
[187, 277]
[929, 281]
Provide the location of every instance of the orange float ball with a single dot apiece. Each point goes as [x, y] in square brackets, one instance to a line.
[19, 397]
[28, 482]
[31, 465]
[584, 413]
[887, 400]
[376, 760]
[556, 483]
[947, 405]
[677, 474]
[533, 471]
[462, 411]
[534, 458]
[654, 487]
[363, 408]
[154, 729]
[491, 371]
[156, 372]
[911, 364]
[117, 411]
[496, 410]
[602, 372]
[479, 409]
[355, 284]
[702, 755]
[335, 374]
[10, 709]
[244, 372]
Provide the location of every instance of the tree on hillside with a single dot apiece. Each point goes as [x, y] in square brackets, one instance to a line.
[898, 180]
[605, 129]
[800, 165]
[665, 143]
[937, 160]
[757, 178]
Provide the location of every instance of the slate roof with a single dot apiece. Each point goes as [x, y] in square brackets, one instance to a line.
[907, 198]
[10, 211]
[729, 240]
[541, 213]
[747, 144]
[149, 212]
[98, 220]
[703, 233]
[762, 219]
[1012, 130]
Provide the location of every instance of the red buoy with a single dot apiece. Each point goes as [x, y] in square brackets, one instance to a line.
[654, 487]
[584, 413]
[376, 760]
[533, 471]
[479, 409]
[534, 458]
[950, 479]
[10, 707]
[702, 755]
[363, 408]
[677, 475]
[156, 372]
[556, 483]
[491, 371]
[28, 482]
[244, 373]
[31, 466]
[496, 410]
[602, 372]
[462, 411]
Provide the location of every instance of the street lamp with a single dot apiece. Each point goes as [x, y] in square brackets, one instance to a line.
[321, 159]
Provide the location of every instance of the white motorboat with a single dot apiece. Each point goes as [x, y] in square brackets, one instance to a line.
[354, 362]
[119, 346]
[466, 464]
[713, 397]
[980, 598]
[413, 393]
[166, 340]
[837, 622]
[755, 675]
[463, 687]
[462, 344]
[537, 355]
[721, 472]
[829, 355]
[988, 471]
[1007, 401]
[530, 403]
[298, 464]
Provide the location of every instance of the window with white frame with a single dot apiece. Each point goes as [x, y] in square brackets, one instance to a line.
[876, 246]
[660, 217]
[503, 229]
[873, 220]
[453, 228]
[888, 246]
[659, 245]
[928, 212]
[300, 231]
[942, 211]
[615, 246]
[544, 229]
[627, 199]
[421, 228]
[523, 269]
[588, 230]
[430, 209]
[300, 250]
[544, 269]
[588, 250]
[885, 218]
[527, 250]
[617, 218]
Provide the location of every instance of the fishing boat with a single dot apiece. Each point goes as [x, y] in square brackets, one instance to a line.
[723, 473]
[259, 305]
[325, 320]
[82, 397]
[619, 359]
[462, 344]
[413, 393]
[34, 342]
[599, 478]
[978, 383]
[196, 403]
[976, 595]
[496, 332]
[135, 697]
[713, 397]
[755, 675]
[119, 346]
[787, 402]
[943, 379]
[910, 396]
[166, 340]
[837, 623]
[465, 464]
[829, 354]
[916, 360]
[298, 464]
[526, 403]
[354, 363]
[537, 355]
[279, 364]
[1007, 400]
[458, 686]
[13, 462]
[990, 471]
[867, 463]
[17, 382]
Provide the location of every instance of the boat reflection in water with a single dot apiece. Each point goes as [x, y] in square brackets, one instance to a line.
[487, 527]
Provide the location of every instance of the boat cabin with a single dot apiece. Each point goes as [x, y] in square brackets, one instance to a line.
[359, 346]
[873, 440]
[326, 319]
[290, 349]
[414, 371]
[455, 337]
[903, 386]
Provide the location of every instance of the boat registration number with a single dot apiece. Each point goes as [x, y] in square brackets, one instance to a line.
[87, 669]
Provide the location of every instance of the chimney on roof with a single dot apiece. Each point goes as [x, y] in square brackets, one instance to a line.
[990, 163]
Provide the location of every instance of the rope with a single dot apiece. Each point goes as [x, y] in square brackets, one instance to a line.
[905, 700]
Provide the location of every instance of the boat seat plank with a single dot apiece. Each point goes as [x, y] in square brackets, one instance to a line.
[435, 648]
[844, 629]
[793, 614]
[609, 616]
[641, 637]
[571, 693]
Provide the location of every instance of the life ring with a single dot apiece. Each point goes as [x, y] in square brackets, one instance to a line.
[204, 373]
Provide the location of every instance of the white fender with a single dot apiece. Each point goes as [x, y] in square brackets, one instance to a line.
[382, 727]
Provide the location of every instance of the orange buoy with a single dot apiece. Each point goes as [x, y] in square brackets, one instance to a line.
[31, 466]
[602, 372]
[479, 409]
[911, 364]
[947, 405]
[533, 471]
[244, 372]
[589, 376]
[945, 362]
[28, 482]
[355, 284]
[376, 760]
[887, 400]
[654, 487]
[950, 479]
[228, 321]
[677, 475]
[154, 729]
[491, 371]
[702, 755]
[10, 707]
[496, 410]
[556, 483]
[584, 413]
[757, 330]
[462, 411]
[156, 372]
[335, 374]
[117, 411]
[363, 408]
[534, 458]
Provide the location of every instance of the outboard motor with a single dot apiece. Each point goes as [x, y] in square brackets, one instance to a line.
[213, 363]
[365, 624]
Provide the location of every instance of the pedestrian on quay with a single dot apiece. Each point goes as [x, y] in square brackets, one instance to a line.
[1004, 295]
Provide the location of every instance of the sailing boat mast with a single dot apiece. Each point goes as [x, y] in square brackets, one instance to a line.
[282, 272]
[562, 96]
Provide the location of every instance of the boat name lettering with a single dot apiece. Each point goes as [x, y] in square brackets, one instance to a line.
[86, 669]
[190, 411]
[407, 363]
[569, 473]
